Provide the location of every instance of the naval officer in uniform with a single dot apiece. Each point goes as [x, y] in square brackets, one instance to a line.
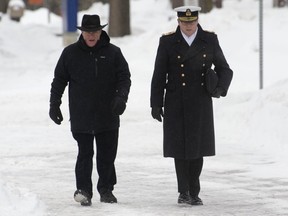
[179, 96]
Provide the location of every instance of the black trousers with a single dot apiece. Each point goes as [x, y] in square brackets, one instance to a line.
[106, 150]
[188, 173]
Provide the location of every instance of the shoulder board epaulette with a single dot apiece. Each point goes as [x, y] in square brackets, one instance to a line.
[209, 31]
[168, 33]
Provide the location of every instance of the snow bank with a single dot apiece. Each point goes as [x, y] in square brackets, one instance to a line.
[256, 119]
[18, 202]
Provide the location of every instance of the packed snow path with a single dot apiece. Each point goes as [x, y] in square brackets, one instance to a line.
[146, 181]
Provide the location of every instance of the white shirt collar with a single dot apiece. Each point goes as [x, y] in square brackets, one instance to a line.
[190, 39]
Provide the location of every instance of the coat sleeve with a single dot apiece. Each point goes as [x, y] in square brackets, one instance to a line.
[123, 76]
[159, 76]
[60, 81]
[222, 68]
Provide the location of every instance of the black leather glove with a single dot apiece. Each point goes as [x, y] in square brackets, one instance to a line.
[118, 105]
[218, 91]
[157, 113]
[55, 114]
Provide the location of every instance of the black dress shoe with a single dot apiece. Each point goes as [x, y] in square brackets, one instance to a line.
[184, 198]
[195, 200]
[82, 197]
[108, 197]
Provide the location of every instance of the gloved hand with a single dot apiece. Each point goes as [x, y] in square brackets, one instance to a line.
[218, 91]
[55, 114]
[118, 105]
[157, 113]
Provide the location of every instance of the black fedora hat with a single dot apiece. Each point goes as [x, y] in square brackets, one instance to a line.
[91, 23]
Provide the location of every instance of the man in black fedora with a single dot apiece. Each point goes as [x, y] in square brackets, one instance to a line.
[99, 83]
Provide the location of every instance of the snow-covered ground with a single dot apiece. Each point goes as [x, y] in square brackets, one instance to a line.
[247, 177]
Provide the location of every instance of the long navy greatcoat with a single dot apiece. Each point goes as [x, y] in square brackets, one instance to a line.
[95, 76]
[178, 85]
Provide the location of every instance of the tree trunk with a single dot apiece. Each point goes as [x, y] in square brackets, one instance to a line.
[206, 5]
[84, 5]
[3, 6]
[279, 3]
[119, 18]
[218, 3]
[177, 3]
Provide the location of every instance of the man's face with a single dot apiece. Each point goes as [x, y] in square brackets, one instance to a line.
[188, 28]
[91, 38]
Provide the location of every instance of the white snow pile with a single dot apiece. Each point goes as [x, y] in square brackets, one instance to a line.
[15, 201]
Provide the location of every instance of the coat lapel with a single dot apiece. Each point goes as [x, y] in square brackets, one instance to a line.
[190, 51]
[195, 48]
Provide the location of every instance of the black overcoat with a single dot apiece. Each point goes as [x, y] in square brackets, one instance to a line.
[95, 76]
[178, 86]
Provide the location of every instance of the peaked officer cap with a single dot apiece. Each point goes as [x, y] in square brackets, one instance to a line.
[187, 13]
